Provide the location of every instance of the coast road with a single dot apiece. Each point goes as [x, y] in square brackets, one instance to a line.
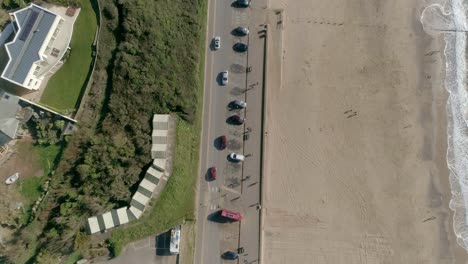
[237, 185]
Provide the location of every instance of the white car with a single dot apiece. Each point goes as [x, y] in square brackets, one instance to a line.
[217, 43]
[236, 157]
[224, 77]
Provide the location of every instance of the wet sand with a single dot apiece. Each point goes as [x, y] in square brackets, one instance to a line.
[355, 146]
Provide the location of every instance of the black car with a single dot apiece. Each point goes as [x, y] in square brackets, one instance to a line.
[231, 255]
[240, 47]
[241, 31]
[243, 3]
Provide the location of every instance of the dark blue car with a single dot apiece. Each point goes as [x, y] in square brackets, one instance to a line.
[231, 255]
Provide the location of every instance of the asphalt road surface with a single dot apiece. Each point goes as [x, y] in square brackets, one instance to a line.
[237, 186]
[151, 250]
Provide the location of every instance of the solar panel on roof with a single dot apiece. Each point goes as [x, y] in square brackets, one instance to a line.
[29, 25]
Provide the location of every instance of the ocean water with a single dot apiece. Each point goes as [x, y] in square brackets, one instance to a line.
[449, 18]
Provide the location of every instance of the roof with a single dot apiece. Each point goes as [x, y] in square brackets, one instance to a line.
[158, 151]
[135, 212]
[108, 221]
[34, 24]
[148, 185]
[123, 216]
[153, 173]
[9, 108]
[161, 118]
[175, 239]
[159, 164]
[159, 136]
[160, 122]
[93, 225]
[140, 198]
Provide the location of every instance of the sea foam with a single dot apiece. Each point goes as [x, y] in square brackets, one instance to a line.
[450, 19]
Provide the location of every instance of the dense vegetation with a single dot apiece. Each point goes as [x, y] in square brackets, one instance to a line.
[148, 62]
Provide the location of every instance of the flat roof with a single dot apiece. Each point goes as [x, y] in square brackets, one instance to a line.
[93, 225]
[159, 164]
[34, 24]
[158, 147]
[161, 118]
[122, 214]
[154, 172]
[148, 185]
[108, 221]
[9, 108]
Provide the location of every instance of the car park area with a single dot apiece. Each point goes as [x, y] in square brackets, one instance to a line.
[231, 139]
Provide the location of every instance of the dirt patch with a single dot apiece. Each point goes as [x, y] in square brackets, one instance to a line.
[24, 160]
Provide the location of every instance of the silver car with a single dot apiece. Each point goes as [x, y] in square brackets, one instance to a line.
[217, 43]
[224, 77]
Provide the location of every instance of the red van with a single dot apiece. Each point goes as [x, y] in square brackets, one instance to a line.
[231, 215]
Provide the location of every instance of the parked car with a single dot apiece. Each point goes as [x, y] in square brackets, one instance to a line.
[243, 3]
[240, 47]
[212, 173]
[236, 119]
[222, 142]
[231, 215]
[236, 157]
[224, 77]
[230, 255]
[239, 104]
[217, 43]
[241, 31]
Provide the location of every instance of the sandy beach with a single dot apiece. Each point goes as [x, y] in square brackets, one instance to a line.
[355, 147]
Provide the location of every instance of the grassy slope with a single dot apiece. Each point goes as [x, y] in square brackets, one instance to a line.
[65, 86]
[177, 199]
[30, 188]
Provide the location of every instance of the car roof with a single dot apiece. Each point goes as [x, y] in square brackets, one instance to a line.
[231, 214]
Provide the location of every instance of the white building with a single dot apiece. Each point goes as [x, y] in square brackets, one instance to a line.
[37, 48]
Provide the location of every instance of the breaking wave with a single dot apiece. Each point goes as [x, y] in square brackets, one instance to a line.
[450, 19]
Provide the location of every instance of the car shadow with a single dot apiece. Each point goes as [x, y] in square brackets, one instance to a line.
[237, 68]
[235, 33]
[232, 106]
[217, 143]
[234, 145]
[163, 243]
[218, 79]
[237, 91]
[207, 176]
[217, 218]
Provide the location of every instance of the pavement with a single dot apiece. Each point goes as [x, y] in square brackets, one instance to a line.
[153, 249]
[238, 185]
